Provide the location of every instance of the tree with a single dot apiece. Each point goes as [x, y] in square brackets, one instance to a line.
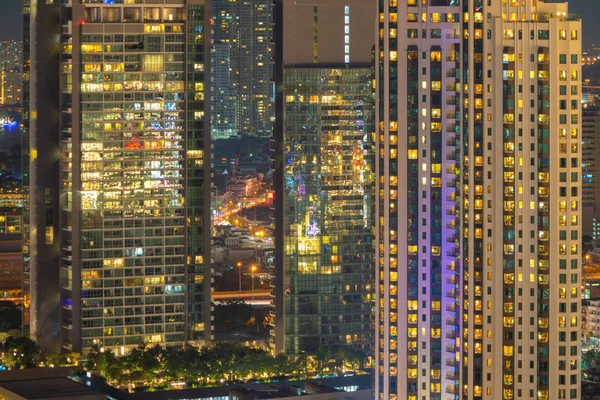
[232, 316]
[9, 359]
[591, 359]
[10, 316]
[336, 358]
[26, 352]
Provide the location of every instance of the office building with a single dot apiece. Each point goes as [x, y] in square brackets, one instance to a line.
[324, 180]
[242, 68]
[120, 174]
[590, 169]
[478, 200]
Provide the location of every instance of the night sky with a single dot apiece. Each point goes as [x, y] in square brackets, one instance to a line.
[10, 19]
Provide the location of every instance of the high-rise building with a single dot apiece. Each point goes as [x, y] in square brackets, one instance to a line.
[478, 200]
[590, 172]
[120, 173]
[224, 97]
[10, 72]
[242, 68]
[25, 58]
[324, 175]
[11, 81]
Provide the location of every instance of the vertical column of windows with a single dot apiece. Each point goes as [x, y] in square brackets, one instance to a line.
[476, 93]
[346, 34]
[196, 164]
[543, 222]
[385, 346]
[393, 200]
[435, 225]
[510, 221]
[452, 267]
[463, 195]
[412, 202]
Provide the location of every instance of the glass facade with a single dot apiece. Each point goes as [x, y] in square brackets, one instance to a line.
[134, 177]
[328, 207]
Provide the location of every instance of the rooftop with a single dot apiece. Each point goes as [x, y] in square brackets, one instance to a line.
[48, 388]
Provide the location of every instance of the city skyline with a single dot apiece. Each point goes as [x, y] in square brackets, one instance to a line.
[404, 188]
[11, 24]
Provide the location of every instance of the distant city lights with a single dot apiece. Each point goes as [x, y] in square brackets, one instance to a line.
[9, 124]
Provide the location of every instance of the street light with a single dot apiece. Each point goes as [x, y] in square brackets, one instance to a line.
[239, 265]
[253, 269]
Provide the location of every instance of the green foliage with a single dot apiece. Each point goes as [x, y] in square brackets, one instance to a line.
[10, 316]
[155, 367]
[20, 352]
[590, 359]
[337, 358]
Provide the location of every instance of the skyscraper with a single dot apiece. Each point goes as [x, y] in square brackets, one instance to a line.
[224, 99]
[324, 263]
[120, 176]
[590, 146]
[242, 65]
[25, 164]
[479, 195]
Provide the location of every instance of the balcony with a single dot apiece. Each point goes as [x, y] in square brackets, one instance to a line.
[452, 253]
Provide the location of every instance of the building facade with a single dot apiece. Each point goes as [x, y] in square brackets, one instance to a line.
[120, 174]
[323, 272]
[26, 59]
[590, 315]
[590, 127]
[242, 68]
[478, 200]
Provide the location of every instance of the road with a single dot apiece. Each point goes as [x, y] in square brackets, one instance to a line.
[256, 298]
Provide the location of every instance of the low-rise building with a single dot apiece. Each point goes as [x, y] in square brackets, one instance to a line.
[45, 383]
[590, 318]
